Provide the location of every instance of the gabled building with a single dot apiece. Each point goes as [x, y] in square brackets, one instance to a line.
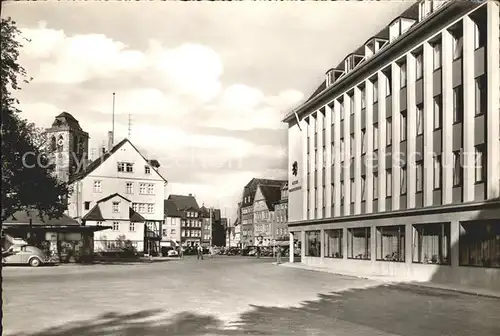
[280, 218]
[247, 217]
[123, 170]
[263, 212]
[190, 218]
[207, 217]
[171, 229]
[126, 224]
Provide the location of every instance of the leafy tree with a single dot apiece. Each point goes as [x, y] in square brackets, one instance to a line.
[27, 180]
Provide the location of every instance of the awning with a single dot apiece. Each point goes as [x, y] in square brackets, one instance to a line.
[283, 243]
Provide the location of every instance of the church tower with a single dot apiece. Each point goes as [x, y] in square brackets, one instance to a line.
[68, 146]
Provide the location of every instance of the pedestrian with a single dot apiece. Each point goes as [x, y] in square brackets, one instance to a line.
[211, 250]
[278, 254]
[258, 252]
[200, 252]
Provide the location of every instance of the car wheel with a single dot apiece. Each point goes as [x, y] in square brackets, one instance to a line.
[35, 262]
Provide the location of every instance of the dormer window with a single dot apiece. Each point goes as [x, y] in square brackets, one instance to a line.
[332, 76]
[352, 61]
[373, 46]
[399, 27]
[426, 7]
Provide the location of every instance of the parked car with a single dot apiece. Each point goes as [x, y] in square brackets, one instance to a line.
[173, 253]
[24, 254]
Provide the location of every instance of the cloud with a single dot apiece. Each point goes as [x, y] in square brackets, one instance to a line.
[75, 59]
[176, 98]
[241, 107]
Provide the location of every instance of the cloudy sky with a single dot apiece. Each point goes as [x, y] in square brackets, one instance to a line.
[205, 84]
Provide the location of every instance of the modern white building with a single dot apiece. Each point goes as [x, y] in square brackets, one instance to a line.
[394, 160]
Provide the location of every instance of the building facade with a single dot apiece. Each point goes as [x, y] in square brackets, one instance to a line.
[206, 225]
[233, 234]
[280, 217]
[68, 146]
[394, 165]
[171, 229]
[191, 220]
[246, 208]
[263, 212]
[122, 170]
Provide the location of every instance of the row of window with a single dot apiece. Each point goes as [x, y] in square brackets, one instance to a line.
[117, 225]
[437, 171]
[192, 214]
[282, 231]
[113, 244]
[144, 207]
[190, 233]
[191, 223]
[480, 108]
[165, 232]
[479, 243]
[128, 167]
[436, 43]
[144, 188]
[260, 215]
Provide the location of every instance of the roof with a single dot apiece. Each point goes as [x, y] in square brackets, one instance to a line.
[23, 217]
[66, 119]
[251, 187]
[256, 181]
[170, 209]
[412, 12]
[95, 214]
[205, 212]
[98, 162]
[134, 216]
[111, 196]
[271, 195]
[183, 202]
[217, 215]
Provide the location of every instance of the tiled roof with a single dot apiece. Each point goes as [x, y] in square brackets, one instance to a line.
[96, 163]
[251, 187]
[183, 202]
[135, 217]
[111, 196]
[271, 194]
[66, 118]
[23, 217]
[170, 209]
[94, 214]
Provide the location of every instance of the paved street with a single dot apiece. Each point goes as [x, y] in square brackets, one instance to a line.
[230, 296]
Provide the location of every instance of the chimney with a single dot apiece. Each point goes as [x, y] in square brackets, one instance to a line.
[110, 140]
[190, 194]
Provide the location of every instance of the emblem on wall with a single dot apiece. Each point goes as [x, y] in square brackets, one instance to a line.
[295, 168]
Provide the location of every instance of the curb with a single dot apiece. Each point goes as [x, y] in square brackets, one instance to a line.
[472, 291]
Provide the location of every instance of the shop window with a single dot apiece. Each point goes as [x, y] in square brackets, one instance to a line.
[359, 243]
[333, 243]
[479, 244]
[431, 243]
[313, 244]
[391, 243]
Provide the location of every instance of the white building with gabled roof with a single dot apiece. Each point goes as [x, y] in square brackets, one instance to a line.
[133, 181]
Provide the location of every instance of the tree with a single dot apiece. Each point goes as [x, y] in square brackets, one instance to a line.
[27, 179]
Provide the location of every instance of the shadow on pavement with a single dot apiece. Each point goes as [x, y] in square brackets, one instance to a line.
[385, 310]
